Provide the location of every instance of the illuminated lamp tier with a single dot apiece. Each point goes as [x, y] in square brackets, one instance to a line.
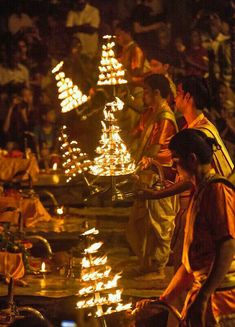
[75, 161]
[70, 95]
[111, 71]
[114, 158]
[100, 290]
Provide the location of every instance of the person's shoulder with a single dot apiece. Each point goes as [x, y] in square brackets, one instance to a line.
[220, 184]
[90, 7]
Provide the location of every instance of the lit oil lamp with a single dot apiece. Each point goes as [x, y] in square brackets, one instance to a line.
[43, 270]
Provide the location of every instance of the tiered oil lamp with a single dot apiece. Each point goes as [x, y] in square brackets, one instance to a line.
[111, 71]
[114, 159]
[70, 95]
[101, 290]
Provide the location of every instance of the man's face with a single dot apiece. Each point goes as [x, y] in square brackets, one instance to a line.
[181, 100]
[50, 117]
[157, 67]
[120, 37]
[80, 5]
[148, 96]
[27, 95]
[149, 3]
[181, 165]
[223, 94]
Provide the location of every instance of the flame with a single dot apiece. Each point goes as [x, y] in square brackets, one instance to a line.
[114, 158]
[55, 166]
[94, 247]
[99, 312]
[43, 267]
[123, 307]
[60, 211]
[94, 262]
[110, 70]
[80, 304]
[96, 275]
[92, 231]
[57, 67]
[69, 93]
[115, 297]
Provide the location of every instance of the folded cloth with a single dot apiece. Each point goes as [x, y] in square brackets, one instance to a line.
[9, 167]
[32, 210]
[11, 265]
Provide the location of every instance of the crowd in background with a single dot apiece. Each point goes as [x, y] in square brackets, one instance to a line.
[187, 37]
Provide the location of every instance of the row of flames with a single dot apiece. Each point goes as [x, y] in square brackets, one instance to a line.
[99, 281]
[75, 161]
[113, 159]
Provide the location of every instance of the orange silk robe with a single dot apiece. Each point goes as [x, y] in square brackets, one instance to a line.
[205, 226]
[151, 222]
[156, 128]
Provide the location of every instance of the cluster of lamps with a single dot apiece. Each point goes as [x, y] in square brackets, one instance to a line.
[102, 291]
[111, 71]
[70, 95]
[75, 161]
[114, 158]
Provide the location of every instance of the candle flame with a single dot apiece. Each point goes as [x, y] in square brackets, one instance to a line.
[94, 247]
[92, 231]
[43, 267]
[55, 166]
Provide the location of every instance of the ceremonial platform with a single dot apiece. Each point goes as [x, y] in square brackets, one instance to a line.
[56, 293]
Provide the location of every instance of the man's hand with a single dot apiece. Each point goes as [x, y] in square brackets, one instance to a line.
[145, 163]
[144, 309]
[144, 194]
[196, 314]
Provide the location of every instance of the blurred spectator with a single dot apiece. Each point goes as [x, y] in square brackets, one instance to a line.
[131, 55]
[55, 36]
[12, 72]
[163, 42]
[79, 67]
[196, 56]
[161, 64]
[225, 119]
[23, 49]
[21, 117]
[84, 21]
[136, 65]
[124, 9]
[36, 47]
[46, 134]
[216, 38]
[145, 25]
[19, 21]
[225, 62]
[178, 58]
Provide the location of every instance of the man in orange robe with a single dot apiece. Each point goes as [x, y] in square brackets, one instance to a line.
[208, 264]
[151, 223]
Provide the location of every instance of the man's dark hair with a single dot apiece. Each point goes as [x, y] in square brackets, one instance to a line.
[158, 82]
[193, 141]
[126, 26]
[198, 89]
[161, 56]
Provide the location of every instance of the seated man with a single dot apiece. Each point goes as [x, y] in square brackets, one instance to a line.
[207, 269]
